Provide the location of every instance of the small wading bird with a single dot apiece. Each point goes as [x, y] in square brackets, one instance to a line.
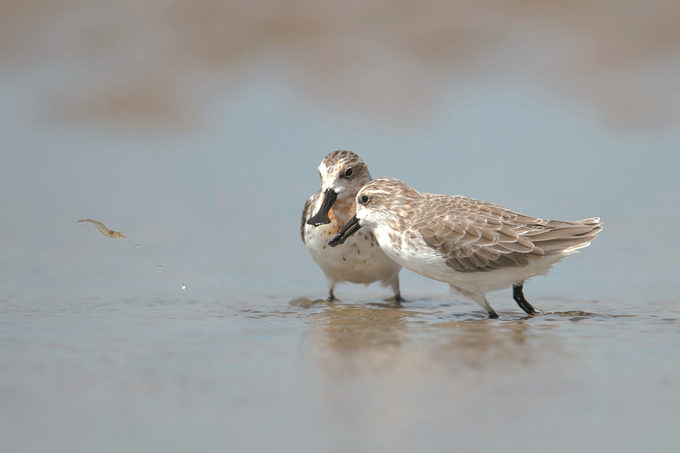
[343, 173]
[472, 245]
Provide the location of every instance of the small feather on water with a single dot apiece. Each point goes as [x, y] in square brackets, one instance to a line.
[102, 229]
[118, 235]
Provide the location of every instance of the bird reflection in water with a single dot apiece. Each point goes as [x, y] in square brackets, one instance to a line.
[383, 336]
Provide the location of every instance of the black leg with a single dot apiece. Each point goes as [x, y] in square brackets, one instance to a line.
[398, 299]
[493, 315]
[331, 296]
[524, 304]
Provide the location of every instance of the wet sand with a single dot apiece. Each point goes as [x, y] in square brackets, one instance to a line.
[152, 375]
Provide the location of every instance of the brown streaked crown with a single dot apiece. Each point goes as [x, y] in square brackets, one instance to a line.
[337, 162]
[390, 195]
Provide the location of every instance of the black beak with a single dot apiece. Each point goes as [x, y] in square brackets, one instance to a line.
[349, 229]
[321, 217]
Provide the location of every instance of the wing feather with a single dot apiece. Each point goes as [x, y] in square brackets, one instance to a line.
[476, 236]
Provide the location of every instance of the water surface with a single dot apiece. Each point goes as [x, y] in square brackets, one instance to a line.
[212, 374]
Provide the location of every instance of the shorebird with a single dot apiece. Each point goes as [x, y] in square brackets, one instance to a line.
[343, 173]
[473, 245]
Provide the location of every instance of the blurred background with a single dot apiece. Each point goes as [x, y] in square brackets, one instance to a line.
[195, 128]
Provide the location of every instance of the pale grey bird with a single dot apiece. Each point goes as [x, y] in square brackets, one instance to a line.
[473, 245]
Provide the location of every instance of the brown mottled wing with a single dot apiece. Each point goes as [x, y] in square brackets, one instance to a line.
[306, 214]
[475, 236]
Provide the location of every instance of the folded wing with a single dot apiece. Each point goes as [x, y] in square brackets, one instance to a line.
[477, 236]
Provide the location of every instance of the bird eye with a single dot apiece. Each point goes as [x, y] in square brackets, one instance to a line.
[364, 200]
[349, 172]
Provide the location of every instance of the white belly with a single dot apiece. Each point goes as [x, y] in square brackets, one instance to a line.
[358, 260]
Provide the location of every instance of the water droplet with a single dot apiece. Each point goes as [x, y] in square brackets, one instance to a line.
[184, 287]
[137, 245]
[160, 267]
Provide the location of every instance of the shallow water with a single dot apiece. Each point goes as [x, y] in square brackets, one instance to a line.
[209, 374]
